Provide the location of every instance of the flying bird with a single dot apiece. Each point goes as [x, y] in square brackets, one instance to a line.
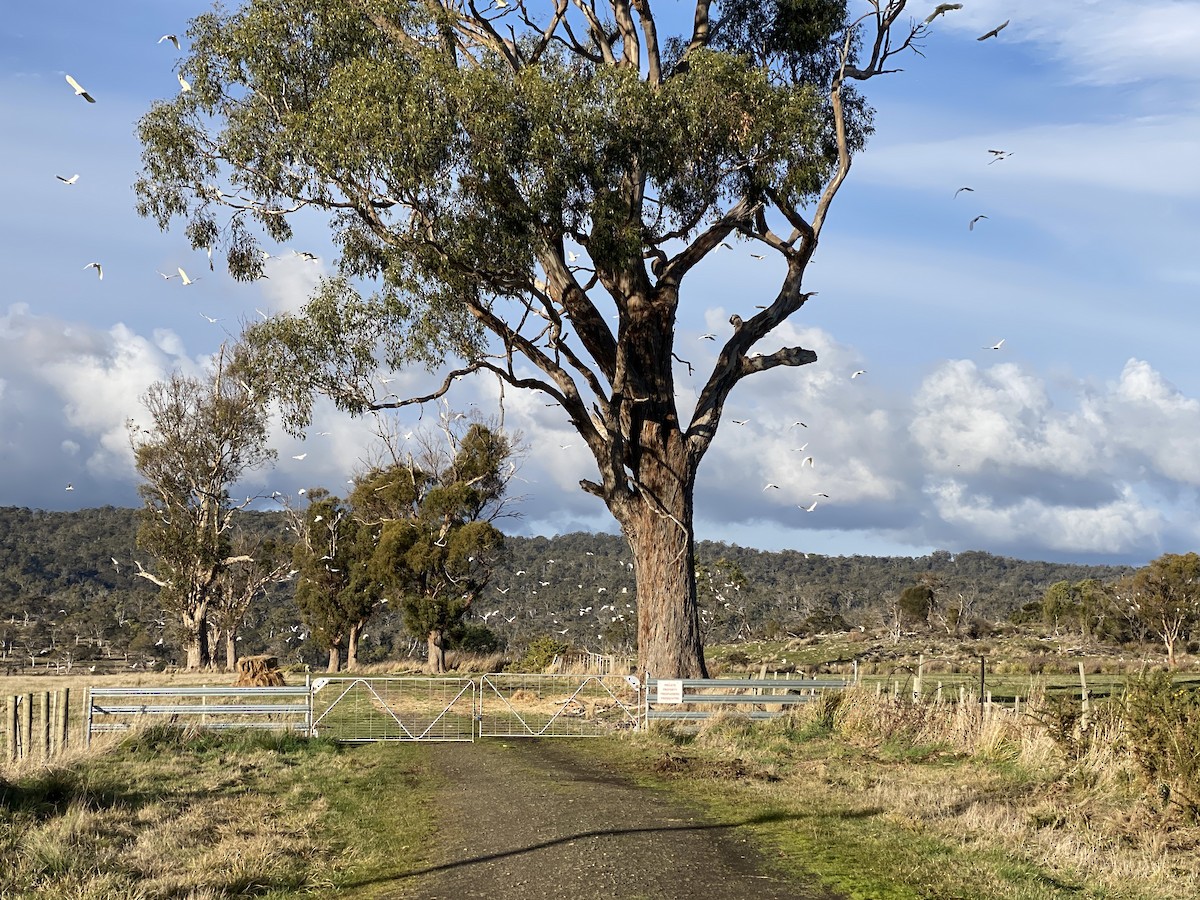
[995, 31]
[70, 487]
[940, 10]
[99, 269]
[71, 180]
[996, 346]
[184, 87]
[971, 224]
[79, 91]
[770, 484]
[184, 276]
[809, 460]
[211, 320]
[757, 256]
[708, 337]
[169, 37]
[859, 372]
[300, 456]
[998, 155]
[794, 424]
[810, 507]
[961, 189]
[739, 421]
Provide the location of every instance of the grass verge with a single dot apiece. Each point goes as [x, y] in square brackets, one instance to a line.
[171, 814]
[879, 814]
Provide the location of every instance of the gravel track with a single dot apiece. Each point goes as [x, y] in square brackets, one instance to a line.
[530, 819]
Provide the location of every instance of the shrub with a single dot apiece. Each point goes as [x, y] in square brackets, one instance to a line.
[1163, 737]
[540, 654]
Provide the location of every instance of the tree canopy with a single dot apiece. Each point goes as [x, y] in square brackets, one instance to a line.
[204, 434]
[506, 177]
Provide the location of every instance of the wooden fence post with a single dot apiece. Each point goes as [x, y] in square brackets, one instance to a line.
[1086, 712]
[27, 728]
[11, 728]
[45, 724]
[64, 714]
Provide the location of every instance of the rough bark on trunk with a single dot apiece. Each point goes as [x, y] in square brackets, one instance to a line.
[352, 647]
[661, 538]
[196, 628]
[335, 659]
[437, 653]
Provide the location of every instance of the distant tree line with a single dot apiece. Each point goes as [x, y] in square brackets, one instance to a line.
[69, 590]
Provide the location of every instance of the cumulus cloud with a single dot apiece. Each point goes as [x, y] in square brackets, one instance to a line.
[74, 388]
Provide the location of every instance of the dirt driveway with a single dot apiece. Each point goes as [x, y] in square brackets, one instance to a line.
[529, 819]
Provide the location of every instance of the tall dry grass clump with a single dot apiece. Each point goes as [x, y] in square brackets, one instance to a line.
[1104, 795]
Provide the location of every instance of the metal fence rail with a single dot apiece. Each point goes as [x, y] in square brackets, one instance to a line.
[393, 709]
[360, 709]
[697, 699]
[519, 705]
[119, 708]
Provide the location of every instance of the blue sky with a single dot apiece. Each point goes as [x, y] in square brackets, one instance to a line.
[1078, 439]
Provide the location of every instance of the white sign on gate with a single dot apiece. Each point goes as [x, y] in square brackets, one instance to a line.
[670, 690]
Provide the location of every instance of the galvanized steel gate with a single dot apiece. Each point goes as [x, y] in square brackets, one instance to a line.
[361, 709]
[515, 705]
[393, 709]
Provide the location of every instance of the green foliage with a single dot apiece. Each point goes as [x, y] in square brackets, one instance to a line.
[916, 603]
[540, 654]
[1162, 733]
[428, 538]
[205, 434]
[471, 637]
[334, 594]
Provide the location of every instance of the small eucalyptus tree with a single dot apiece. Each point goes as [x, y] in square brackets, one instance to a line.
[1164, 598]
[335, 593]
[205, 434]
[510, 176]
[435, 543]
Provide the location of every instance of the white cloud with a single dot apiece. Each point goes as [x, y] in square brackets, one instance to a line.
[1099, 42]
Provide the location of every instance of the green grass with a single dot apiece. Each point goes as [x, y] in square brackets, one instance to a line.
[168, 813]
[829, 811]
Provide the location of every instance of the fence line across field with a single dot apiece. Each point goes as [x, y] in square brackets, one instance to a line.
[114, 709]
[409, 708]
[51, 712]
[697, 699]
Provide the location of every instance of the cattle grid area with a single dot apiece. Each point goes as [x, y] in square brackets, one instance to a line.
[359, 709]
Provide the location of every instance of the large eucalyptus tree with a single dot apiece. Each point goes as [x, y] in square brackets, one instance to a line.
[204, 434]
[506, 176]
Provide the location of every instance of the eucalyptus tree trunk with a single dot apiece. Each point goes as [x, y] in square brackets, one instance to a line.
[437, 652]
[230, 651]
[335, 658]
[648, 469]
[352, 646]
[195, 624]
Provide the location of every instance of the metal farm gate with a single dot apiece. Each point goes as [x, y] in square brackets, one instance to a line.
[393, 709]
[515, 705]
[409, 708]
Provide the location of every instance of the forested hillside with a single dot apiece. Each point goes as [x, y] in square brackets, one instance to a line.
[69, 593]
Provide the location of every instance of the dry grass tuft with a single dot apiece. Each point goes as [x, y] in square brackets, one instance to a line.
[259, 671]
